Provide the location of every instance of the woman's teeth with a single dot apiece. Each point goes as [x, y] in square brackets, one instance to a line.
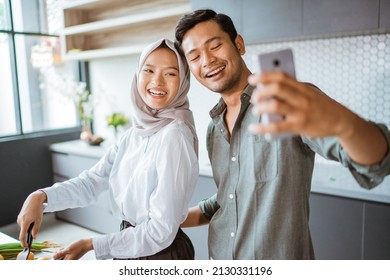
[157, 93]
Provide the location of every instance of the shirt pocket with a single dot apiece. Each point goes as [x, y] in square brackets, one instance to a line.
[262, 163]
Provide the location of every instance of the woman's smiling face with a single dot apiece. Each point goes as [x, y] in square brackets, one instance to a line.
[158, 80]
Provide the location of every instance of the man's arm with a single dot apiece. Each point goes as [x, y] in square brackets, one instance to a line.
[310, 112]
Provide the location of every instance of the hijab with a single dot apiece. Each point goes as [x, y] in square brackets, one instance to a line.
[147, 121]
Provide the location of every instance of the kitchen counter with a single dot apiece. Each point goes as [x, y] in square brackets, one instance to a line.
[81, 148]
[6, 238]
[328, 178]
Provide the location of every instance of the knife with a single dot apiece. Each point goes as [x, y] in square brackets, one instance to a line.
[26, 251]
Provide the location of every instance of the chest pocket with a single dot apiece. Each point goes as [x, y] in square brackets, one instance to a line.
[261, 164]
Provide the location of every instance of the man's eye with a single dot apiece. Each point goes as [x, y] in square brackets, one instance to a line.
[146, 70]
[216, 47]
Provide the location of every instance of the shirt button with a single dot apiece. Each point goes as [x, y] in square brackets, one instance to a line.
[232, 234]
[234, 158]
[222, 130]
[231, 196]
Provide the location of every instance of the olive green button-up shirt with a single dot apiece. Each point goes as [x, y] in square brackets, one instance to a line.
[261, 208]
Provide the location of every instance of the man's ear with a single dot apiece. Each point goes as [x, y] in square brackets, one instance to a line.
[240, 45]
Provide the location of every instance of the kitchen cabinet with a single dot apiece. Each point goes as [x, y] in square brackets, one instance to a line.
[104, 28]
[336, 226]
[232, 8]
[349, 229]
[268, 20]
[376, 232]
[384, 14]
[339, 16]
[262, 21]
[69, 159]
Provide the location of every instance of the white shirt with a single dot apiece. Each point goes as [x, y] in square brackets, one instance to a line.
[151, 181]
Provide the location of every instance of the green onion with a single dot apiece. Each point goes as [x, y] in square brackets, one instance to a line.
[10, 251]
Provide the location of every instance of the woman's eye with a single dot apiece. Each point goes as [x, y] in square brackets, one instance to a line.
[146, 70]
[194, 58]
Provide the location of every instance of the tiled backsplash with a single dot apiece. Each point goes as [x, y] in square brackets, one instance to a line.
[355, 71]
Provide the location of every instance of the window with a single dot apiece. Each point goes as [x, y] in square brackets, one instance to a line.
[36, 84]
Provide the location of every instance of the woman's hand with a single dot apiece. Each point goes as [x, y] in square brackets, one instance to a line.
[75, 250]
[31, 212]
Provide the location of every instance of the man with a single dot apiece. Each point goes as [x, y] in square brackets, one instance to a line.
[261, 209]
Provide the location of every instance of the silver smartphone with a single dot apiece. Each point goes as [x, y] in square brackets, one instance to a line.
[281, 60]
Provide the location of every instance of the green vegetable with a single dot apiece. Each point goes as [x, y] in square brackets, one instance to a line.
[10, 250]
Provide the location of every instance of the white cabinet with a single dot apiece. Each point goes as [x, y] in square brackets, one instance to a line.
[69, 159]
[103, 28]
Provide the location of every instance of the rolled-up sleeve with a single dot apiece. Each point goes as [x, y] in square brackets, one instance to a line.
[368, 176]
[209, 206]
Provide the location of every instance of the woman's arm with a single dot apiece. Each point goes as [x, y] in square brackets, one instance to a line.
[194, 218]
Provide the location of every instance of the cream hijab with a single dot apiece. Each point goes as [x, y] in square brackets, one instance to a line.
[148, 121]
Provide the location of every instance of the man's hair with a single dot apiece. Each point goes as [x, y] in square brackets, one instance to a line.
[188, 21]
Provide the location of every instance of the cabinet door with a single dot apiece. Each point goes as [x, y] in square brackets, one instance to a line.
[336, 226]
[377, 232]
[205, 188]
[98, 216]
[264, 20]
[70, 166]
[232, 8]
[384, 14]
[337, 16]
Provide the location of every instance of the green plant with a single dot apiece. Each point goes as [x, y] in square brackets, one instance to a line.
[116, 120]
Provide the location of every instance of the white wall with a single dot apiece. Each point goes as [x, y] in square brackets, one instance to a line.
[111, 79]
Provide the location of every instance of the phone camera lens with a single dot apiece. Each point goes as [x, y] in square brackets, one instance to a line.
[276, 63]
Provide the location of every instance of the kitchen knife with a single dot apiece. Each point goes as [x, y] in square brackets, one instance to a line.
[26, 251]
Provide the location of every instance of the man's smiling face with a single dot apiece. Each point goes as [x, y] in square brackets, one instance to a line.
[212, 57]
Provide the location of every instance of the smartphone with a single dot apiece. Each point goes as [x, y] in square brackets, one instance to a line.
[281, 60]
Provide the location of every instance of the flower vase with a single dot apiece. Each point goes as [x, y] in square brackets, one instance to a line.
[86, 133]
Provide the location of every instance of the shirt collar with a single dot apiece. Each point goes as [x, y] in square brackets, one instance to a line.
[220, 107]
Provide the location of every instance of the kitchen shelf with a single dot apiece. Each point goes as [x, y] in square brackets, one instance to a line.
[104, 28]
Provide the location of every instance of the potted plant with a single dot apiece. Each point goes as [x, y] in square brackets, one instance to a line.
[116, 120]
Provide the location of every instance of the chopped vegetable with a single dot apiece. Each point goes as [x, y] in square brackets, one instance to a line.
[11, 250]
[30, 257]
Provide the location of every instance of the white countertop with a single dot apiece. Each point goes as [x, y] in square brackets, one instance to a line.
[328, 178]
[6, 239]
[77, 147]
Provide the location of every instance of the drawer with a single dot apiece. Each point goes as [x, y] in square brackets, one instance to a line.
[91, 217]
[69, 166]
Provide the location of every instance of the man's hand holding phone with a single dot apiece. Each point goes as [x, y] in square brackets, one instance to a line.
[289, 107]
[282, 62]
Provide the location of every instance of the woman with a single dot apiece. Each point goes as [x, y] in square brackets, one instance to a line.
[150, 174]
